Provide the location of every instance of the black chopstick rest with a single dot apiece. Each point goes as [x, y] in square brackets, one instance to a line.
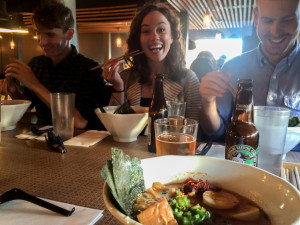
[16, 193]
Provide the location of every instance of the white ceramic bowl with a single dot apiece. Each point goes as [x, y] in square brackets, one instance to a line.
[292, 138]
[279, 199]
[11, 112]
[124, 127]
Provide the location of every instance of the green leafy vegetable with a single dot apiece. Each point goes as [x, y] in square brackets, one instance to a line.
[125, 108]
[187, 215]
[294, 121]
[124, 175]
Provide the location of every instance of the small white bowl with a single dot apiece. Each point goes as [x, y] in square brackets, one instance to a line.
[11, 112]
[278, 198]
[124, 127]
[292, 138]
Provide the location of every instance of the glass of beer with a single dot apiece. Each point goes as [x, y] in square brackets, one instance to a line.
[175, 139]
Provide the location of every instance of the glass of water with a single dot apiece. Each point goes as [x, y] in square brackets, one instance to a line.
[271, 123]
[62, 110]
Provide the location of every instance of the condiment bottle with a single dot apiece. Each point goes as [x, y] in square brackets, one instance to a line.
[241, 135]
[157, 110]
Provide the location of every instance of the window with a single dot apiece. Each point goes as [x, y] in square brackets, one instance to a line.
[230, 47]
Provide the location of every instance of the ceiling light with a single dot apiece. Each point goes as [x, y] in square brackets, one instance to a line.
[207, 20]
[18, 25]
[12, 45]
[119, 40]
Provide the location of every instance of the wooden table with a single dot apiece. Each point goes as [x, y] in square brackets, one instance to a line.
[73, 177]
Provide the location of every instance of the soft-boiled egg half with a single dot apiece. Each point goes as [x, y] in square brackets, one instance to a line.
[220, 200]
[226, 200]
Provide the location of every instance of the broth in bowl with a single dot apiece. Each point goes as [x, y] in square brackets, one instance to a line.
[247, 183]
[196, 202]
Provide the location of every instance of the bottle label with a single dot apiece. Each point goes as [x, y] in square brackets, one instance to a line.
[243, 154]
[243, 107]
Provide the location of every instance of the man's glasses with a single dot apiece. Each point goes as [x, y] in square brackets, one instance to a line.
[55, 142]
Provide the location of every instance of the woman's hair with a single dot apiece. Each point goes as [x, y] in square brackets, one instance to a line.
[53, 14]
[174, 61]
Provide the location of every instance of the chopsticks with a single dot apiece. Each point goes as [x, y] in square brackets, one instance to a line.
[16, 193]
[291, 175]
[232, 89]
[123, 57]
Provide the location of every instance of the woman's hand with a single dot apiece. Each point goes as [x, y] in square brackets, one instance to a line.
[111, 74]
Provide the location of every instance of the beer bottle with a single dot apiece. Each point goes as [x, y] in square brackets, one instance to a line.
[242, 135]
[157, 110]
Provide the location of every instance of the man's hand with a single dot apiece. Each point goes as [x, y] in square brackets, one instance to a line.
[213, 85]
[23, 73]
[7, 87]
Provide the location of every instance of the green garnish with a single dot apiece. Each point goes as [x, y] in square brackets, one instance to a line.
[187, 215]
[125, 108]
[294, 121]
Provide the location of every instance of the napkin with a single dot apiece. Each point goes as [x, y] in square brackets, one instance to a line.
[30, 135]
[87, 138]
[217, 151]
[22, 212]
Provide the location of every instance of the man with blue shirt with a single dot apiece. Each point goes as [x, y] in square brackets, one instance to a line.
[274, 67]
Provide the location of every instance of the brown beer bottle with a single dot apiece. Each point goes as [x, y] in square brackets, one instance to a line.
[242, 135]
[157, 110]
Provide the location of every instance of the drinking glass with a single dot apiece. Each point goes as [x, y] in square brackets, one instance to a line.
[271, 123]
[175, 139]
[62, 110]
[176, 112]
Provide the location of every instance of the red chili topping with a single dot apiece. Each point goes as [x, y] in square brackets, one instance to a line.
[197, 186]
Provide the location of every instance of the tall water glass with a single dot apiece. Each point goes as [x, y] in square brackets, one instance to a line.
[271, 123]
[62, 109]
[175, 139]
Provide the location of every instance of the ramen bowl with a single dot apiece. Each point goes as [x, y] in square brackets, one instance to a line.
[124, 127]
[276, 197]
[11, 112]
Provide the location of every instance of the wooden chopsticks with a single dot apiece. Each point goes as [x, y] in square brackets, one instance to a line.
[291, 175]
[123, 57]
[232, 89]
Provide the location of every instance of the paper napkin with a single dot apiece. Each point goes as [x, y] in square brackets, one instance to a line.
[87, 138]
[19, 212]
[217, 151]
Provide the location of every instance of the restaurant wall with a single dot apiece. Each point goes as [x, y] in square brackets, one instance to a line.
[95, 46]
[91, 45]
[31, 48]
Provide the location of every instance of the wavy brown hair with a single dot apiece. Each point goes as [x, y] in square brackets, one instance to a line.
[174, 61]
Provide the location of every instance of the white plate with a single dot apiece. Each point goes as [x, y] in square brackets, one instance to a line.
[279, 199]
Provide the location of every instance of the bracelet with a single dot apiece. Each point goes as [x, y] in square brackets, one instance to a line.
[119, 91]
